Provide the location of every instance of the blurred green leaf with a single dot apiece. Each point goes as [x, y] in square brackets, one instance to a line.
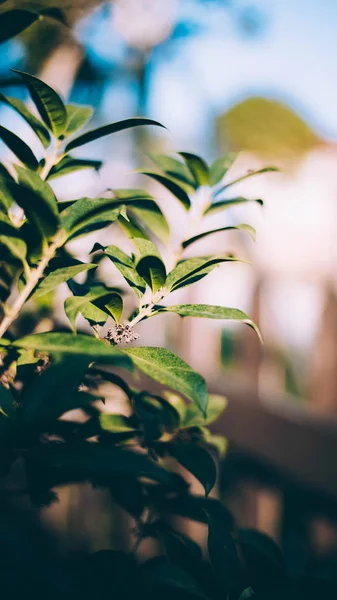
[11, 238]
[241, 227]
[6, 196]
[7, 404]
[175, 169]
[247, 175]
[198, 168]
[220, 167]
[170, 185]
[117, 423]
[77, 117]
[69, 164]
[12, 22]
[223, 204]
[192, 417]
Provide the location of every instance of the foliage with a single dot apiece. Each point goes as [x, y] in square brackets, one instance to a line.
[46, 375]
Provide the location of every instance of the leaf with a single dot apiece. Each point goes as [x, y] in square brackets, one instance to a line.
[170, 370]
[156, 415]
[128, 493]
[199, 508]
[6, 197]
[53, 13]
[113, 305]
[208, 311]
[38, 200]
[58, 276]
[196, 460]
[220, 167]
[75, 305]
[222, 204]
[258, 545]
[246, 176]
[190, 270]
[150, 215]
[223, 555]
[21, 150]
[116, 423]
[94, 315]
[78, 345]
[69, 164]
[36, 125]
[150, 265]
[192, 417]
[7, 405]
[160, 575]
[88, 214]
[10, 237]
[170, 185]
[97, 461]
[126, 267]
[12, 22]
[198, 168]
[48, 103]
[95, 134]
[77, 117]
[241, 227]
[174, 169]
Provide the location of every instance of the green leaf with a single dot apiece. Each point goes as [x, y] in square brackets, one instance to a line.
[198, 168]
[222, 204]
[12, 22]
[246, 176]
[95, 461]
[53, 13]
[113, 305]
[156, 414]
[170, 185]
[94, 315]
[170, 370]
[77, 117]
[95, 134]
[196, 460]
[117, 423]
[150, 215]
[260, 546]
[38, 200]
[78, 345]
[58, 276]
[48, 103]
[208, 311]
[220, 167]
[223, 556]
[36, 125]
[241, 227]
[7, 405]
[69, 164]
[21, 150]
[247, 593]
[192, 417]
[11, 238]
[89, 214]
[75, 305]
[162, 575]
[197, 508]
[6, 197]
[150, 265]
[190, 270]
[126, 267]
[175, 169]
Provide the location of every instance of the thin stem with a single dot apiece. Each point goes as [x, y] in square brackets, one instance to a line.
[33, 280]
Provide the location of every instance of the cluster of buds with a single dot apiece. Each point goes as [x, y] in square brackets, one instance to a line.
[122, 334]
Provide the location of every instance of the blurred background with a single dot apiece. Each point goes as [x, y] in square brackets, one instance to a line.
[222, 75]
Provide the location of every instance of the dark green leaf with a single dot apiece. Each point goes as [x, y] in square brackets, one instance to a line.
[172, 186]
[58, 276]
[150, 265]
[68, 164]
[6, 197]
[7, 404]
[207, 311]
[128, 493]
[220, 167]
[192, 417]
[223, 556]
[264, 548]
[159, 575]
[126, 267]
[38, 127]
[77, 117]
[38, 200]
[53, 13]
[196, 460]
[197, 508]
[12, 22]
[198, 168]
[241, 227]
[78, 345]
[222, 204]
[48, 103]
[95, 134]
[21, 150]
[170, 370]
[246, 176]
